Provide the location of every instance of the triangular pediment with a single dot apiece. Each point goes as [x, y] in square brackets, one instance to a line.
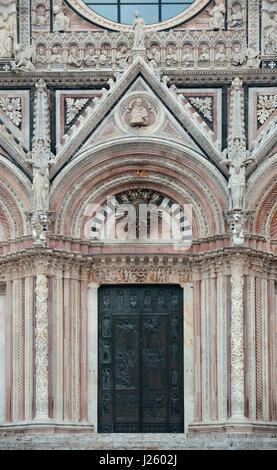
[160, 122]
[164, 114]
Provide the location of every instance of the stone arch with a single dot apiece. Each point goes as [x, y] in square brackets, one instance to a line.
[261, 197]
[15, 200]
[186, 177]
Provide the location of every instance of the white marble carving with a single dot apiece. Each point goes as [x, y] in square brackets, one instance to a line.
[203, 105]
[266, 105]
[217, 14]
[61, 20]
[73, 107]
[12, 109]
[41, 347]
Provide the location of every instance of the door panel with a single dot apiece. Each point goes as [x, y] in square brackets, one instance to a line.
[140, 359]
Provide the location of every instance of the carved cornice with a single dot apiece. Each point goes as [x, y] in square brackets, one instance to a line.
[150, 268]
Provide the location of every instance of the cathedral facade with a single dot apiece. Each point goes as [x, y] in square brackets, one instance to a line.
[107, 326]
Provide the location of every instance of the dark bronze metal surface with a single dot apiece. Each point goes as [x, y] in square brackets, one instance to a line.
[141, 359]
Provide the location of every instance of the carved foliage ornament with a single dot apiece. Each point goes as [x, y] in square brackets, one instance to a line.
[266, 105]
[203, 105]
[73, 108]
[12, 109]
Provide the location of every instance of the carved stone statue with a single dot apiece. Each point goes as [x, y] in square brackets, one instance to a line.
[236, 15]
[204, 54]
[41, 187]
[218, 15]
[41, 55]
[154, 56]
[74, 57]
[23, 58]
[91, 57]
[122, 56]
[139, 32]
[61, 21]
[41, 15]
[238, 56]
[220, 55]
[270, 34]
[238, 159]
[139, 115]
[253, 56]
[171, 58]
[6, 36]
[188, 57]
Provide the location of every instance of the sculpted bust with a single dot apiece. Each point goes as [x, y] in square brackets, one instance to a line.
[139, 115]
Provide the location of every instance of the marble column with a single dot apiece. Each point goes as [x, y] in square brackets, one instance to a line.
[237, 342]
[188, 355]
[2, 353]
[41, 349]
[92, 339]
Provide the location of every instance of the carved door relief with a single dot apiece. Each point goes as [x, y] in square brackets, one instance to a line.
[141, 359]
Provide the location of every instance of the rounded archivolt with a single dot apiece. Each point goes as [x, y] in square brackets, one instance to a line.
[183, 177]
[172, 15]
[263, 185]
[140, 213]
[15, 198]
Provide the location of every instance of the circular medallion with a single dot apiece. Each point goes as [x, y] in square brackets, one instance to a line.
[139, 113]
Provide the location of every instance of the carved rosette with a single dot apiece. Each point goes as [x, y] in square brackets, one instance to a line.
[237, 346]
[41, 347]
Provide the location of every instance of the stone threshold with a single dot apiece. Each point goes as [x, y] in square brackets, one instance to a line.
[55, 436]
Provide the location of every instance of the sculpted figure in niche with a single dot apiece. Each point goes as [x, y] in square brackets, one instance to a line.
[220, 55]
[91, 57]
[171, 57]
[237, 160]
[105, 57]
[122, 56]
[236, 15]
[139, 32]
[56, 57]
[6, 36]
[41, 55]
[61, 21]
[218, 15]
[41, 15]
[41, 189]
[205, 54]
[74, 57]
[270, 34]
[253, 56]
[187, 57]
[139, 114]
[238, 56]
[154, 56]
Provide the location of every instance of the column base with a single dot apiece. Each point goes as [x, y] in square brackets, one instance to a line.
[47, 427]
[243, 427]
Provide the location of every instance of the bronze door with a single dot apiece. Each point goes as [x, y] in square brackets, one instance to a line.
[141, 359]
